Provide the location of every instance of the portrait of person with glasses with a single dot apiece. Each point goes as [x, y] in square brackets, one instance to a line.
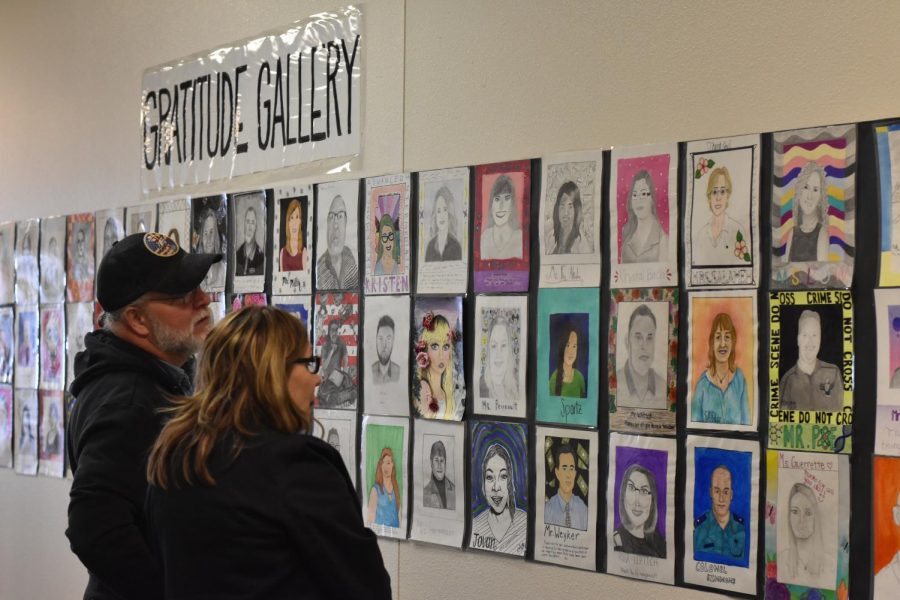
[336, 269]
[639, 514]
[643, 238]
[387, 246]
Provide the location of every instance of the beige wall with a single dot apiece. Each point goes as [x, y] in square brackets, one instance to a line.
[448, 83]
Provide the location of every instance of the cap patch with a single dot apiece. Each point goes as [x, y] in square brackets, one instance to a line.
[160, 245]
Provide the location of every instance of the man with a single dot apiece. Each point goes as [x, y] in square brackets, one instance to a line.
[384, 370]
[439, 492]
[250, 259]
[334, 360]
[811, 384]
[718, 530]
[887, 580]
[156, 318]
[565, 508]
[638, 385]
[336, 269]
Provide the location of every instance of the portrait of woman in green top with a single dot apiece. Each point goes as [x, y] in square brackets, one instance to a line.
[566, 380]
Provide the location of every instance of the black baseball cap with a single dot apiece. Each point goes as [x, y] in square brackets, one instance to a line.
[148, 262]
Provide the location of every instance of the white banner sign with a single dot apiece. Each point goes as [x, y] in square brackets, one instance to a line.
[281, 99]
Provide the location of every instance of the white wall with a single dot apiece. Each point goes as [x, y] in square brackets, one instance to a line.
[449, 83]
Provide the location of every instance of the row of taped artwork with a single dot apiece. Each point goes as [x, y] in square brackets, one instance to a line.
[268, 239]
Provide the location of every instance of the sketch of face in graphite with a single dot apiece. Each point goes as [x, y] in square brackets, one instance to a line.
[209, 233]
[653, 245]
[336, 231]
[567, 220]
[443, 231]
[641, 340]
[500, 378]
[502, 238]
[809, 336]
[497, 480]
[438, 461]
[110, 235]
[250, 227]
[334, 440]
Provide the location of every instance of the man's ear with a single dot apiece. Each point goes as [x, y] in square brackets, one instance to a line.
[136, 320]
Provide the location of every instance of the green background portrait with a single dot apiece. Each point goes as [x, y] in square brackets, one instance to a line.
[377, 438]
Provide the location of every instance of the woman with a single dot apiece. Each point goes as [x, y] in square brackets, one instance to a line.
[643, 238]
[501, 526]
[53, 435]
[566, 380]
[568, 222]
[808, 239]
[443, 243]
[717, 242]
[434, 361]
[388, 248]
[638, 513]
[721, 392]
[209, 242]
[502, 238]
[243, 502]
[384, 499]
[293, 253]
[500, 379]
[803, 561]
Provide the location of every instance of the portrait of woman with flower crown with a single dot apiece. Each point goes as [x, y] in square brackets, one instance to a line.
[439, 388]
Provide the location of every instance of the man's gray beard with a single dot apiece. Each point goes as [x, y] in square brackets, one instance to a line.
[176, 342]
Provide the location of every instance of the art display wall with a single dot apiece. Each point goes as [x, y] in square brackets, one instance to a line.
[573, 359]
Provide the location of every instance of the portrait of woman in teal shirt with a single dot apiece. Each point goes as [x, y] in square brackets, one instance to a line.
[566, 380]
[720, 395]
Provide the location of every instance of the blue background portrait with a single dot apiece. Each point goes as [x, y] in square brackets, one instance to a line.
[739, 463]
[511, 436]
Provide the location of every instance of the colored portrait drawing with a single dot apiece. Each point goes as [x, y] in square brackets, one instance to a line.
[811, 371]
[80, 271]
[292, 247]
[502, 205]
[385, 475]
[568, 356]
[570, 220]
[722, 494]
[499, 487]
[53, 353]
[209, 230]
[807, 525]
[7, 262]
[723, 210]
[643, 216]
[885, 526]
[640, 515]
[439, 386]
[387, 234]
[813, 211]
[722, 360]
[26, 280]
[566, 483]
[887, 415]
[52, 434]
[7, 344]
[336, 338]
[27, 353]
[6, 426]
[887, 143]
[643, 357]
[443, 252]
[500, 355]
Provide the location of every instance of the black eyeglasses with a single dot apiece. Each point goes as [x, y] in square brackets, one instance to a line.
[313, 363]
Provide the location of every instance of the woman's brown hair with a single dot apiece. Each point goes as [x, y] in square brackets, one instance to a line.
[379, 476]
[241, 387]
[722, 321]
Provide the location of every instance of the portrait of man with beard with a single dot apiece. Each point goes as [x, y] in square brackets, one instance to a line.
[337, 268]
[384, 370]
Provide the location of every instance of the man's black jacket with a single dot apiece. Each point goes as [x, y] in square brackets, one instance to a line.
[118, 391]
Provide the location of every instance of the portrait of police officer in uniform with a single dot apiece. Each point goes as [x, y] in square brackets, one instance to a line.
[719, 530]
[811, 384]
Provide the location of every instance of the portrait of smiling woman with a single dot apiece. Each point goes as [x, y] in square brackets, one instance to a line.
[502, 237]
[502, 523]
[638, 514]
[643, 238]
[243, 501]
